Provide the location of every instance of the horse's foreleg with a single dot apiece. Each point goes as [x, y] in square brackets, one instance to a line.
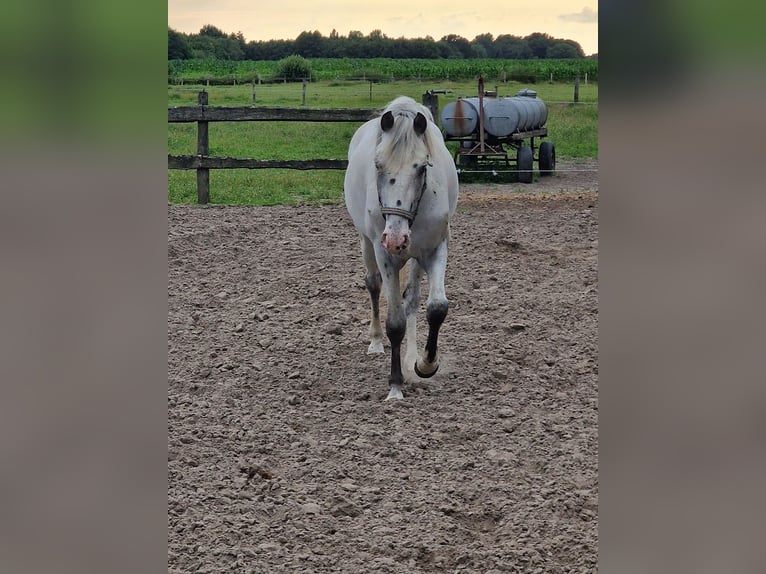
[436, 311]
[373, 282]
[411, 304]
[395, 322]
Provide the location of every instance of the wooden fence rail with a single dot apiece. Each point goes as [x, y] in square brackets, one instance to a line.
[206, 162]
[202, 114]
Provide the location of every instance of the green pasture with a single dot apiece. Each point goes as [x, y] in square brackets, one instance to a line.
[572, 128]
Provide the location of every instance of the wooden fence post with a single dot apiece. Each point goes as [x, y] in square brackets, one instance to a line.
[577, 89]
[303, 94]
[431, 101]
[253, 90]
[203, 148]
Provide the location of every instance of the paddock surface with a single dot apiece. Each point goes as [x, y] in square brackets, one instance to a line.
[282, 456]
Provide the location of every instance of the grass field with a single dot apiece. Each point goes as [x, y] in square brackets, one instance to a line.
[572, 128]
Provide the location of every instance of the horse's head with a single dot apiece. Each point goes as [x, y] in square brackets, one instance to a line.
[401, 161]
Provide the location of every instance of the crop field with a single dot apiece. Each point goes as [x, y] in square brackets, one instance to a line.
[572, 128]
[534, 71]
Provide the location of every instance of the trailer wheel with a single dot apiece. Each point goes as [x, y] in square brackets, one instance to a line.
[547, 159]
[525, 164]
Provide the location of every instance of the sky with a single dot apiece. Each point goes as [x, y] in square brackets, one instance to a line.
[285, 19]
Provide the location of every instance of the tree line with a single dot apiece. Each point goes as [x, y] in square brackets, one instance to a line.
[213, 43]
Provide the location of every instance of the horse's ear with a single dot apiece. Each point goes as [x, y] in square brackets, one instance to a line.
[387, 121]
[421, 123]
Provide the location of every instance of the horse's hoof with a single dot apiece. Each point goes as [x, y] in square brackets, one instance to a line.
[426, 374]
[395, 393]
[376, 347]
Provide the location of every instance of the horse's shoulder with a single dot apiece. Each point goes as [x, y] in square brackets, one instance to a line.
[360, 136]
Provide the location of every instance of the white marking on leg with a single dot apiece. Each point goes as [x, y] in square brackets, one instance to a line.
[412, 301]
[376, 347]
[427, 368]
[411, 343]
[376, 330]
[436, 269]
[376, 336]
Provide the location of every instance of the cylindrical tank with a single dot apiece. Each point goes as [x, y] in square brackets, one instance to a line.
[461, 117]
[538, 110]
[502, 116]
[533, 112]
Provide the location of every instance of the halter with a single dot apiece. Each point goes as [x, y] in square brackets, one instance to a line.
[407, 214]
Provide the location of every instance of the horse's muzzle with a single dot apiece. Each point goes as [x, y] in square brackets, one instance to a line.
[395, 242]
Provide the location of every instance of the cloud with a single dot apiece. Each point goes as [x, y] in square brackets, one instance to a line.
[584, 16]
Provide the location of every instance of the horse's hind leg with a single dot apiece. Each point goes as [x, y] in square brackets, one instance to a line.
[373, 282]
[436, 311]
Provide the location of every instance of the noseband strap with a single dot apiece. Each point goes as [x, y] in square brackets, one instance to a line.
[396, 211]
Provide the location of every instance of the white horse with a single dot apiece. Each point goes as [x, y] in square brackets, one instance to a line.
[401, 191]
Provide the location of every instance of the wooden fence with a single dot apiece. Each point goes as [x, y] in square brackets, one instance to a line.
[203, 114]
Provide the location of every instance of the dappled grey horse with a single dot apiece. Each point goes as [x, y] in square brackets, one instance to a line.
[401, 191]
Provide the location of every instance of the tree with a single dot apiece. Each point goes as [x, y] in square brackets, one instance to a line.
[486, 41]
[212, 42]
[212, 31]
[376, 43]
[310, 44]
[202, 46]
[511, 48]
[423, 48]
[268, 50]
[293, 68]
[178, 46]
[478, 51]
[562, 50]
[577, 47]
[239, 37]
[459, 46]
[228, 49]
[539, 43]
[334, 45]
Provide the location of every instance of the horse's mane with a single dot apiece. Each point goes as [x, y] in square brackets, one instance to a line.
[401, 145]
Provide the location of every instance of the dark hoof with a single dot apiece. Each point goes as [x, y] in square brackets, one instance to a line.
[424, 375]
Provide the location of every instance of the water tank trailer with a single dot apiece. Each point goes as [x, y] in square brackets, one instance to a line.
[487, 125]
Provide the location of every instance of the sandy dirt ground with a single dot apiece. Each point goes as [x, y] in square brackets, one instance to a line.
[282, 455]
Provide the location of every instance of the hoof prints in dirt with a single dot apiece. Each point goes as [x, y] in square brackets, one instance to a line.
[283, 456]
